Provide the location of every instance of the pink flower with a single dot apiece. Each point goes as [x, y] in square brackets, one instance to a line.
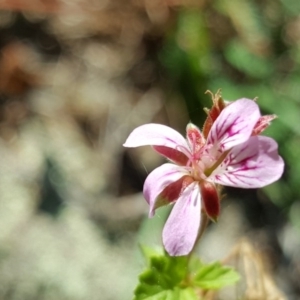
[230, 155]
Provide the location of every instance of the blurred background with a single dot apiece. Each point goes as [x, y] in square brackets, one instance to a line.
[76, 76]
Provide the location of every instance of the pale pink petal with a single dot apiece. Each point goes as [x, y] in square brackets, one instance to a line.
[234, 125]
[253, 164]
[158, 180]
[181, 229]
[157, 135]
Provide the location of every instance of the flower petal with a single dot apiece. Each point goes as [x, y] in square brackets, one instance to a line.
[158, 180]
[157, 135]
[253, 164]
[235, 124]
[181, 229]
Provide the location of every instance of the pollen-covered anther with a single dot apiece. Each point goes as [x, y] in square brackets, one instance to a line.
[210, 199]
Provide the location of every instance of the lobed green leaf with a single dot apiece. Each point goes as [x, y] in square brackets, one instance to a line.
[214, 276]
[164, 275]
[178, 278]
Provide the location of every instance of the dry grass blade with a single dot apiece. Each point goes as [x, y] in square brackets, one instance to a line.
[256, 280]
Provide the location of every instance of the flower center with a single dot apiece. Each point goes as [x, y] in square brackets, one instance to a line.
[204, 161]
[203, 158]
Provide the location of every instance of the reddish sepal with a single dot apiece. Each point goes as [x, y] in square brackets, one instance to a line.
[263, 123]
[172, 154]
[210, 200]
[173, 190]
[214, 112]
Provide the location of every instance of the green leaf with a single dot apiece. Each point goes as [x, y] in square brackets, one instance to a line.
[164, 275]
[176, 278]
[187, 294]
[164, 295]
[176, 294]
[214, 276]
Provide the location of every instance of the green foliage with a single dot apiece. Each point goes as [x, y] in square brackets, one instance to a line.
[180, 278]
[214, 276]
[164, 273]
[176, 294]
